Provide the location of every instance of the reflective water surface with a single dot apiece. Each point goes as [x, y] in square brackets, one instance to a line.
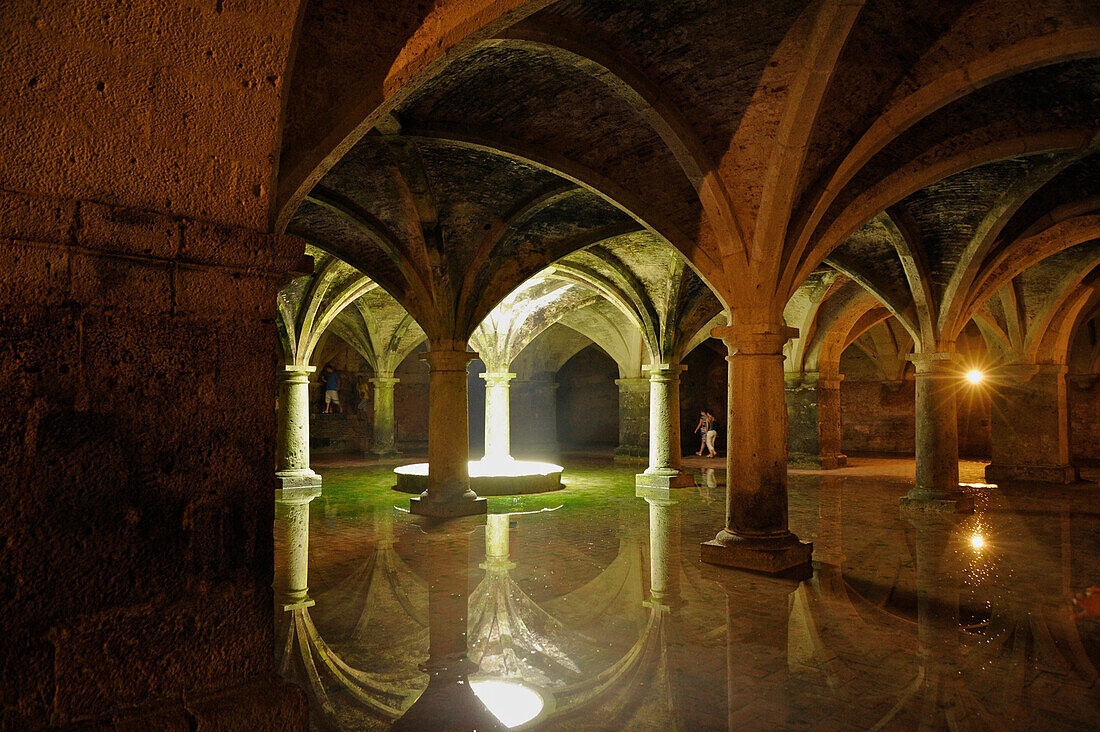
[589, 608]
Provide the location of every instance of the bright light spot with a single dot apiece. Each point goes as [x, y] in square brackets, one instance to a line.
[510, 702]
[491, 467]
[974, 376]
[977, 541]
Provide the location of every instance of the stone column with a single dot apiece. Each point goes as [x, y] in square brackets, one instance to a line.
[1030, 421]
[497, 415]
[298, 485]
[633, 418]
[756, 535]
[937, 434]
[813, 412]
[448, 492]
[664, 429]
[293, 438]
[535, 433]
[385, 441]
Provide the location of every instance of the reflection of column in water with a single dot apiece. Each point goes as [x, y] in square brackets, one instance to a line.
[292, 534]
[757, 672]
[938, 696]
[664, 552]
[448, 701]
[828, 546]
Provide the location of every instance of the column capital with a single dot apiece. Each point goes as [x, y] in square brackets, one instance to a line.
[929, 361]
[634, 381]
[292, 370]
[384, 379]
[497, 378]
[755, 339]
[448, 360]
[659, 371]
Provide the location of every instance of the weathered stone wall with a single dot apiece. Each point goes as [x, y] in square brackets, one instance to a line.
[410, 403]
[1083, 397]
[878, 416]
[139, 422]
[534, 425]
[588, 400]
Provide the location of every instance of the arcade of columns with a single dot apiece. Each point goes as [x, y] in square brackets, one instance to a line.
[156, 195]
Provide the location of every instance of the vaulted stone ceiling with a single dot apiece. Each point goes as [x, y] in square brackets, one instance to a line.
[919, 147]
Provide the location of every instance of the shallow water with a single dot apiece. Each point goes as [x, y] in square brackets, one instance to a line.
[909, 619]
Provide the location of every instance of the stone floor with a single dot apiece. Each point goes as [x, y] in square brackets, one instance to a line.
[909, 620]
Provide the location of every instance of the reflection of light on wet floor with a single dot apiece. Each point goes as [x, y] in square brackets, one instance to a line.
[510, 702]
[977, 541]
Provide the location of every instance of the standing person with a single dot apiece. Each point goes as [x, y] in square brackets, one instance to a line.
[332, 390]
[703, 429]
[711, 434]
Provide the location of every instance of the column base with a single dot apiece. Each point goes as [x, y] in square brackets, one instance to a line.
[937, 501]
[768, 556]
[662, 481]
[631, 454]
[1058, 474]
[448, 509]
[297, 486]
[817, 462]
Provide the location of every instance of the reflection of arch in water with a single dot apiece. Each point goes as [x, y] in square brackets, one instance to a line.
[511, 636]
[380, 599]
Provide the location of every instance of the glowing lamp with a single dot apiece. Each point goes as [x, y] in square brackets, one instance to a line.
[974, 376]
[977, 541]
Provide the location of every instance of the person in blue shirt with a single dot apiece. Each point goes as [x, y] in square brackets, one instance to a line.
[332, 389]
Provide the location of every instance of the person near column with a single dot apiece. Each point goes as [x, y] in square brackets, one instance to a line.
[711, 435]
[362, 389]
[707, 433]
[331, 379]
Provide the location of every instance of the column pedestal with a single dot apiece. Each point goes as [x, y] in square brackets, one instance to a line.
[756, 536]
[1030, 426]
[937, 436]
[498, 444]
[813, 413]
[448, 493]
[633, 420]
[385, 443]
[664, 471]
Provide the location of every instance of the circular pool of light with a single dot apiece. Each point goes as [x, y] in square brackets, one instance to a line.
[492, 477]
[511, 702]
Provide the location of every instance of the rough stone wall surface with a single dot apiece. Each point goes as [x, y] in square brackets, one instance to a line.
[410, 403]
[1083, 395]
[878, 416]
[136, 554]
[534, 425]
[588, 400]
